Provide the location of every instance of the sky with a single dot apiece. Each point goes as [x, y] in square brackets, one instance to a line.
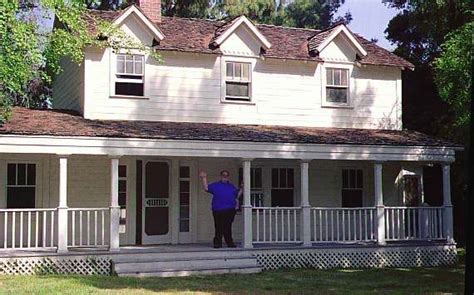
[369, 19]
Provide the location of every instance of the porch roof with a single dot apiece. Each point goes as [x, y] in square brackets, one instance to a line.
[67, 123]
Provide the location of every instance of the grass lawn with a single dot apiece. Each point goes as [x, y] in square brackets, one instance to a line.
[394, 281]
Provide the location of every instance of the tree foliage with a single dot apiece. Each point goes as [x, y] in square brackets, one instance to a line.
[453, 73]
[30, 55]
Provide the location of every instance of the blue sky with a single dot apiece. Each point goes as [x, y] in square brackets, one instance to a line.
[369, 18]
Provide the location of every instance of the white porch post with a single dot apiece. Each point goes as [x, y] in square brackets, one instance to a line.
[247, 206]
[448, 206]
[380, 220]
[305, 206]
[62, 208]
[114, 206]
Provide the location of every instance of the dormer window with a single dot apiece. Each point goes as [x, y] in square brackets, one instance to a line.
[238, 81]
[129, 75]
[337, 86]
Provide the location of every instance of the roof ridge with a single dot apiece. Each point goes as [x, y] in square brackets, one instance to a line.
[291, 28]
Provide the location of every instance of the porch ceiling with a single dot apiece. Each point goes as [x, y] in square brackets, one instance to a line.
[56, 130]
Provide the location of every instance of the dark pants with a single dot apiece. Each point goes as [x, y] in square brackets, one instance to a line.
[223, 226]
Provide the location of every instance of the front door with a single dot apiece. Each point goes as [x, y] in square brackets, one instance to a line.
[156, 203]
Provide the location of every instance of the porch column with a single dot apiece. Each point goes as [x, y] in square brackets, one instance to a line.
[448, 206]
[247, 206]
[114, 206]
[380, 220]
[305, 206]
[62, 208]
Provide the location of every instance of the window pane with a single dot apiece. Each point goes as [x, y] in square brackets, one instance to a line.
[120, 64]
[122, 171]
[123, 88]
[21, 197]
[184, 186]
[184, 212]
[122, 186]
[245, 71]
[337, 77]
[122, 199]
[351, 198]
[283, 178]
[282, 197]
[184, 198]
[11, 174]
[229, 70]
[329, 74]
[238, 70]
[138, 66]
[184, 172]
[21, 174]
[237, 89]
[337, 95]
[359, 179]
[129, 64]
[352, 178]
[344, 74]
[290, 178]
[258, 178]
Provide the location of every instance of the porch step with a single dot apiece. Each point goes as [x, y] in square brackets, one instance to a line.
[185, 264]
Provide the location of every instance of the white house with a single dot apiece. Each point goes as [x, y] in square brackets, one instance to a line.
[310, 121]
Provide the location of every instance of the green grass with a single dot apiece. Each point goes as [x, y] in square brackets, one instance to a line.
[386, 281]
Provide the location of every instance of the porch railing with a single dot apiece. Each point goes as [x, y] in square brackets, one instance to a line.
[28, 228]
[342, 224]
[413, 223]
[88, 227]
[276, 224]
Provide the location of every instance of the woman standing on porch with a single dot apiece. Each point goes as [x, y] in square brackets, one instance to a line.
[224, 203]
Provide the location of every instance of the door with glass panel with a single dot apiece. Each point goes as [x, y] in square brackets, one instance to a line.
[156, 203]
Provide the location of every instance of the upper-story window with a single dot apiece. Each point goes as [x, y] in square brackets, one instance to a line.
[238, 81]
[337, 86]
[129, 75]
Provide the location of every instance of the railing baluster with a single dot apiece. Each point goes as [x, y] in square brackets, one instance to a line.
[5, 230]
[36, 229]
[440, 224]
[80, 228]
[294, 225]
[13, 230]
[332, 225]
[103, 228]
[44, 244]
[52, 228]
[270, 230]
[95, 227]
[264, 225]
[21, 229]
[282, 226]
[88, 228]
[288, 225]
[73, 225]
[29, 229]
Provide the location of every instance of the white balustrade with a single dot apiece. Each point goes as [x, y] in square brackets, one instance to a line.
[28, 228]
[87, 227]
[276, 225]
[413, 223]
[342, 224]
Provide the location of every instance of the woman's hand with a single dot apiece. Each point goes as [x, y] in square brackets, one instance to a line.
[202, 174]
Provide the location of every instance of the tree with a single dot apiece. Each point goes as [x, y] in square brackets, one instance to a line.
[186, 8]
[453, 72]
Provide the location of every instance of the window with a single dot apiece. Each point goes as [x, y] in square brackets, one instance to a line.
[184, 198]
[129, 75]
[21, 185]
[352, 187]
[256, 187]
[237, 81]
[282, 187]
[337, 86]
[122, 193]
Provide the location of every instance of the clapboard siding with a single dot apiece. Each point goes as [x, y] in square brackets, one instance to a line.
[187, 87]
[68, 87]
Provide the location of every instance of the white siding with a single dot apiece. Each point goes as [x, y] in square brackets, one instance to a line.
[68, 87]
[186, 88]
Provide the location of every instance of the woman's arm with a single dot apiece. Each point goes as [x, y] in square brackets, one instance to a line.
[203, 176]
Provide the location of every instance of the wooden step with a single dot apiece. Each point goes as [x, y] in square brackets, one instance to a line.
[163, 256]
[200, 263]
[193, 272]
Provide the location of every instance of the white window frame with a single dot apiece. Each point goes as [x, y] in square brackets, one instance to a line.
[362, 189]
[37, 179]
[324, 85]
[224, 61]
[114, 73]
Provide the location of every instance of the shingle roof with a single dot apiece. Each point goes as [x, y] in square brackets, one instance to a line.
[197, 35]
[67, 123]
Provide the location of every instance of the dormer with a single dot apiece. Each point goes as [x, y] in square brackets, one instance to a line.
[336, 44]
[240, 37]
[135, 23]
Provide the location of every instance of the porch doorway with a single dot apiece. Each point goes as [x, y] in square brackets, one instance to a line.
[156, 203]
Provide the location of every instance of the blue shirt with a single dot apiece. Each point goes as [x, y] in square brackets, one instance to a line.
[223, 195]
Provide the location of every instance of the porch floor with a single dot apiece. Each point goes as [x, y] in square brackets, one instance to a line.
[206, 247]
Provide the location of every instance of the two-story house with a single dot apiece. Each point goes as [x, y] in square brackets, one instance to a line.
[308, 120]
